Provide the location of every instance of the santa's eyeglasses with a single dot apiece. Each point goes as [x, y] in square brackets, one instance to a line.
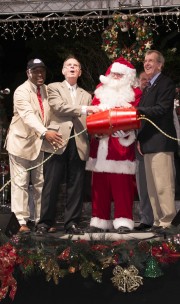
[116, 75]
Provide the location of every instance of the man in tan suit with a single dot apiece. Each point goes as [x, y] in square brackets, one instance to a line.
[24, 141]
[70, 104]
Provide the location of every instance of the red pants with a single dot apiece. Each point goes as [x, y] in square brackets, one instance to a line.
[108, 187]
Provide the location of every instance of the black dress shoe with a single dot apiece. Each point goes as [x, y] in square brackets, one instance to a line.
[155, 228]
[41, 230]
[74, 229]
[161, 230]
[142, 227]
[30, 223]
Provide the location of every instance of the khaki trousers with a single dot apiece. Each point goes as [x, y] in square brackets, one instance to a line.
[160, 175]
[20, 179]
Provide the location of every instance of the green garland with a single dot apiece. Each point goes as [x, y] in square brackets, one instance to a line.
[130, 260]
[135, 52]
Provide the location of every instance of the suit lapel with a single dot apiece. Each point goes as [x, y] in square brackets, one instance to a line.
[67, 92]
[45, 103]
[155, 83]
[35, 101]
[79, 93]
[79, 96]
[150, 89]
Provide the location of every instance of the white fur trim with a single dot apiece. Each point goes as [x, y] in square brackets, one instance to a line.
[101, 164]
[111, 166]
[90, 164]
[127, 141]
[124, 222]
[121, 68]
[100, 223]
[103, 148]
[103, 79]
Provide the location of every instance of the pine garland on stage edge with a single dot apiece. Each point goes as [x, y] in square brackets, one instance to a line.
[130, 260]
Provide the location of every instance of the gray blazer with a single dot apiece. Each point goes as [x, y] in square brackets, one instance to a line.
[27, 124]
[65, 116]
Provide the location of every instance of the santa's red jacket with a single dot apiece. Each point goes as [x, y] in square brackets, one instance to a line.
[114, 154]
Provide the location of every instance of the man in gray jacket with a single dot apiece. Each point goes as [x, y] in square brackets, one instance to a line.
[70, 104]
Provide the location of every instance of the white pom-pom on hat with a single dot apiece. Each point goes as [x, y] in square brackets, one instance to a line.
[103, 79]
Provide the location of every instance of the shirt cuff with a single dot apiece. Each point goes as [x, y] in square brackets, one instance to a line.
[84, 110]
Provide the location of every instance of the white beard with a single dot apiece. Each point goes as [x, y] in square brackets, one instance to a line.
[116, 93]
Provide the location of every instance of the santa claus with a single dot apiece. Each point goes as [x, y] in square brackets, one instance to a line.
[112, 158]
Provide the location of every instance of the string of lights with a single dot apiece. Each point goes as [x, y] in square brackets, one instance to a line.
[55, 24]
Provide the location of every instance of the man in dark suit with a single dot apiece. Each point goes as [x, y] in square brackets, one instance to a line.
[145, 209]
[157, 104]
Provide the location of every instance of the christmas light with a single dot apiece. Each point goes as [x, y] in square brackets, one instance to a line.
[23, 25]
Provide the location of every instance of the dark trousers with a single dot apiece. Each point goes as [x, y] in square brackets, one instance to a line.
[68, 169]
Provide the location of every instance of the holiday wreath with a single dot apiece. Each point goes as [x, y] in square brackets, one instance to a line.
[135, 52]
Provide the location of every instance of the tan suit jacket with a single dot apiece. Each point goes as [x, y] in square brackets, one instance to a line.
[27, 124]
[65, 116]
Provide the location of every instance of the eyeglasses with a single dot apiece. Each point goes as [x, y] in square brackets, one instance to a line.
[118, 75]
[70, 65]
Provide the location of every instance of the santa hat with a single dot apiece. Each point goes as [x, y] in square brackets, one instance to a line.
[121, 66]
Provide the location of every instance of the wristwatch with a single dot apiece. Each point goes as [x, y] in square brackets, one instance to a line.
[43, 135]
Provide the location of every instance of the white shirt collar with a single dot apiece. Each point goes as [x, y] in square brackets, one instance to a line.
[154, 78]
[35, 86]
[69, 86]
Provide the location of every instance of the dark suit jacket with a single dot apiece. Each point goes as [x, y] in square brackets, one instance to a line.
[157, 105]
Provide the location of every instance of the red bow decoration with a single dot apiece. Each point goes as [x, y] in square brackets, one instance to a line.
[8, 260]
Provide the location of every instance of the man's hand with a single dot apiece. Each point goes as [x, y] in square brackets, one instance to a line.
[104, 107]
[54, 138]
[139, 148]
[93, 109]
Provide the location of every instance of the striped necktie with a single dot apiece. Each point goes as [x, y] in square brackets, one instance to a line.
[148, 86]
[40, 101]
[146, 90]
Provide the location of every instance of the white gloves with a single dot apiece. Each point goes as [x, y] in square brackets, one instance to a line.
[121, 134]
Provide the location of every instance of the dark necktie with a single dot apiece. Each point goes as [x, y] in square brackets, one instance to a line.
[147, 88]
[40, 101]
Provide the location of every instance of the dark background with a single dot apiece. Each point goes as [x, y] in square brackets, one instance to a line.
[15, 52]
